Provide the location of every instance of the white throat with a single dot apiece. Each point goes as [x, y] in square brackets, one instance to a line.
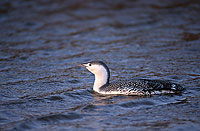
[101, 78]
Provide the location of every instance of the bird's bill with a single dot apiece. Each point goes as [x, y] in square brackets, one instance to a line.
[83, 65]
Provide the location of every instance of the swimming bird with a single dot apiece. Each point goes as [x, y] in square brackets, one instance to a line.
[127, 87]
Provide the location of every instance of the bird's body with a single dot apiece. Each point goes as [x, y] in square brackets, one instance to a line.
[140, 87]
[127, 87]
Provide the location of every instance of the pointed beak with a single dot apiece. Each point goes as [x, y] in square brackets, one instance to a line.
[82, 65]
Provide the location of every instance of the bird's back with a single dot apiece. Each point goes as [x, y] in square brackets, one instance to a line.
[141, 87]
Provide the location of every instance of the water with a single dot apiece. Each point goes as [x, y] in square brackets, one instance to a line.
[42, 89]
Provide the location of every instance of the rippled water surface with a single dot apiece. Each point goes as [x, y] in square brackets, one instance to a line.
[41, 88]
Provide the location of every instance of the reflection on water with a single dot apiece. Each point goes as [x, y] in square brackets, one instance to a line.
[42, 89]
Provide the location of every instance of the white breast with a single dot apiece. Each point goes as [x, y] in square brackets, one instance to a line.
[101, 77]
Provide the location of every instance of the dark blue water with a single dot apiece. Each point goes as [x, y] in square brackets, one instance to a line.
[41, 88]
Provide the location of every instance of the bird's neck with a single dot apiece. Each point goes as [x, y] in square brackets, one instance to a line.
[101, 79]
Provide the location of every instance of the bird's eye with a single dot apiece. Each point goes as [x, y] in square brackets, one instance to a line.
[90, 64]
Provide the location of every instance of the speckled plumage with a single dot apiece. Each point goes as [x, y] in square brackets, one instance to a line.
[128, 87]
[141, 87]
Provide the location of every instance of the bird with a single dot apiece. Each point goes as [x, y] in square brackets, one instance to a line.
[102, 84]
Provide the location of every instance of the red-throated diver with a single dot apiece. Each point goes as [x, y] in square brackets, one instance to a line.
[127, 87]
